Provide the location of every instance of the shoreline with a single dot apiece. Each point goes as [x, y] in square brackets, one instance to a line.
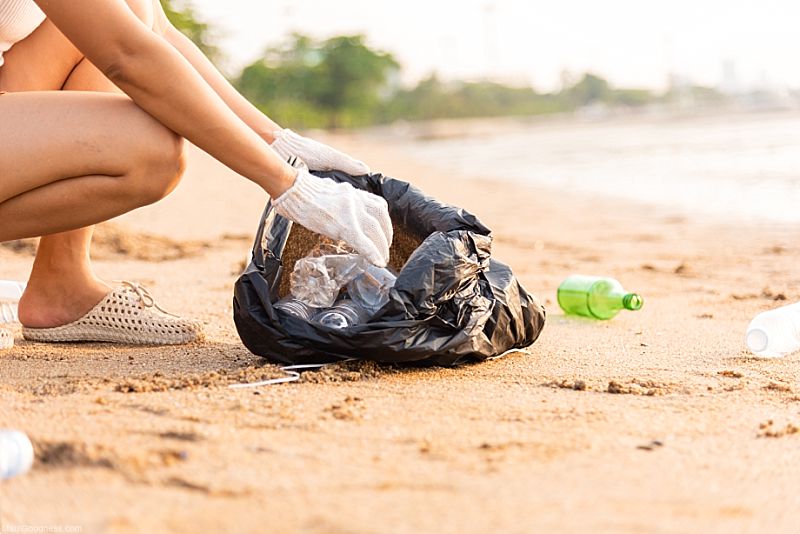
[716, 176]
[470, 126]
[395, 162]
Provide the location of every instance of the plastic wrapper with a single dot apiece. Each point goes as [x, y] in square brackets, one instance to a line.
[452, 303]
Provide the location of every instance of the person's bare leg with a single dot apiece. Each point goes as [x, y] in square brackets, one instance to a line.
[62, 285]
[70, 160]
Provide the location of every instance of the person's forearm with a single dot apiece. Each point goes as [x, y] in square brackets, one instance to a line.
[257, 121]
[186, 104]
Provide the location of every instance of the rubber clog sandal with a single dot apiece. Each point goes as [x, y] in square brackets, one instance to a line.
[6, 339]
[127, 314]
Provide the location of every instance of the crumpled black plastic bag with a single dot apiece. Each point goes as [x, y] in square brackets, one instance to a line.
[452, 302]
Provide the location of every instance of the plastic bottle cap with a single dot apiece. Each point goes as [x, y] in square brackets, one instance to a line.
[335, 319]
[757, 340]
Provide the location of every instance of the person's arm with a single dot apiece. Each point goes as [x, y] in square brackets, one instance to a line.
[163, 83]
[257, 121]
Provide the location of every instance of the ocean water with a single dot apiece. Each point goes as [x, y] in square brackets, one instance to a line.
[744, 167]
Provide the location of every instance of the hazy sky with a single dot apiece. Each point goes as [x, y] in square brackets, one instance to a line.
[632, 42]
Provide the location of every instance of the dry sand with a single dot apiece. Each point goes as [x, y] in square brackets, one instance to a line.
[657, 421]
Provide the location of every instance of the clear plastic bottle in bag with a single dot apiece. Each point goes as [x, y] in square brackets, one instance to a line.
[344, 314]
[370, 290]
[318, 278]
[295, 307]
[775, 333]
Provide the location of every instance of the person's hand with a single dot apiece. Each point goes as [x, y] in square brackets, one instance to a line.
[318, 157]
[341, 212]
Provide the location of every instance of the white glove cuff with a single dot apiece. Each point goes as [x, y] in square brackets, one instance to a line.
[296, 200]
[287, 143]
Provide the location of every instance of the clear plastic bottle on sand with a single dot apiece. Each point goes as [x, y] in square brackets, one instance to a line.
[596, 296]
[10, 293]
[370, 290]
[344, 314]
[296, 307]
[16, 453]
[775, 333]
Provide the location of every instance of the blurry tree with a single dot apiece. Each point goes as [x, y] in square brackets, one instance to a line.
[432, 99]
[306, 83]
[429, 99]
[353, 75]
[593, 89]
[632, 97]
[590, 89]
[693, 97]
[182, 15]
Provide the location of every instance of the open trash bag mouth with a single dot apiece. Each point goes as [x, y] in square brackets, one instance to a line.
[452, 303]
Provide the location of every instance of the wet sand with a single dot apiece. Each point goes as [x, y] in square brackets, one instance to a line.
[657, 421]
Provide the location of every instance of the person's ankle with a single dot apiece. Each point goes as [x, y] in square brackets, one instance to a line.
[55, 302]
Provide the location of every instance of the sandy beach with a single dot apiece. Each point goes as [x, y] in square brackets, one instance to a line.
[657, 421]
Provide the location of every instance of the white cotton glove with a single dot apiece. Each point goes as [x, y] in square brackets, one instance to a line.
[341, 212]
[318, 157]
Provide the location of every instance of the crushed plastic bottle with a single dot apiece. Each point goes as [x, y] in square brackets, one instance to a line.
[344, 314]
[775, 333]
[16, 453]
[10, 293]
[318, 278]
[370, 290]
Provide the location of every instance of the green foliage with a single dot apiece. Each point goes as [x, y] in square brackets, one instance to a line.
[432, 99]
[589, 90]
[632, 97]
[183, 17]
[593, 90]
[336, 82]
[693, 95]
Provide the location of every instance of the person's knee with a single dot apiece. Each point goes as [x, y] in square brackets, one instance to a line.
[162, 169]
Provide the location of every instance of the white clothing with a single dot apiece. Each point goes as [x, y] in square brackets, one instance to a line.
[18, 19]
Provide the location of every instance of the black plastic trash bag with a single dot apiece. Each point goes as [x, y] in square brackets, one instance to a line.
[452, 302]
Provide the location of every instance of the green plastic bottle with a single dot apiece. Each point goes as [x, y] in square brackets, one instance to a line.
[595, 296]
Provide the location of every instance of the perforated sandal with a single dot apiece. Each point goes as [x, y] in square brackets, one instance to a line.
[6, 339]
[128, 314]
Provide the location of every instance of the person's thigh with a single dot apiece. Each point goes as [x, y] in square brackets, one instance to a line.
[55, 135]
[40, 62]
[45, 60]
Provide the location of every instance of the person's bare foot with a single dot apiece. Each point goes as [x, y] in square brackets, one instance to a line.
[57, 302]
